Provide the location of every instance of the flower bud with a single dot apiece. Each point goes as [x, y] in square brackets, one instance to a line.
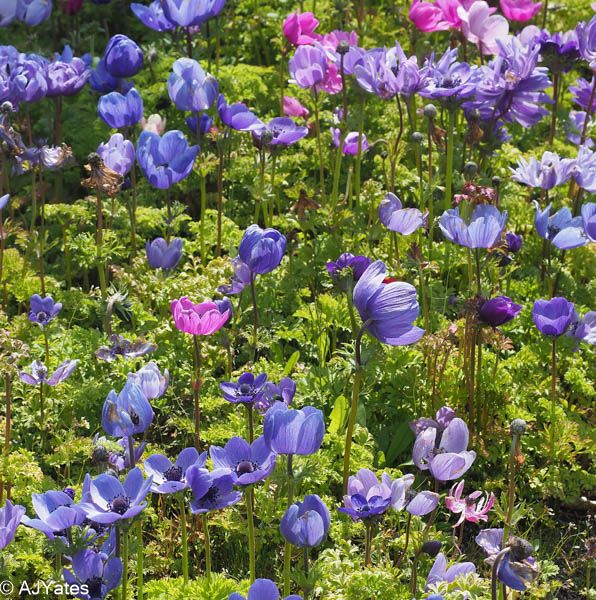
[343, 47]
[431, 548]
[417, 137]
[520, 548]
[496, 180]
[430, 111]
[470, 169]
[518, 427]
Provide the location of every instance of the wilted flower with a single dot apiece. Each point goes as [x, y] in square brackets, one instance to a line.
[126, 413]
[204, 318]
[39, 373]
[561, 229]
[293, 431]
[10, 517]
[305, 524]
[161, 255]
[120, 346]
[43, 310]
[101, 177]
[168, 477]
[404, 221]
[554, 317]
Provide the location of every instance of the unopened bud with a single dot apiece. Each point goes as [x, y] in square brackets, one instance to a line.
[518, 427]
[417, 137]
[430, 111]
[431, 548]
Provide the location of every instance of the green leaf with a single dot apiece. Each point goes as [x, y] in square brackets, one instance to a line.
[402, 438]
[339, 414]
[291, 364]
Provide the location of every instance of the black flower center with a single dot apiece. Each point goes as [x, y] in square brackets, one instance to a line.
[173, 474]
[211, 497]
[245, 389]
[120, 504]
[94, 587]
[134, 417]
[246, 466]
[42, 316]
[470, 501]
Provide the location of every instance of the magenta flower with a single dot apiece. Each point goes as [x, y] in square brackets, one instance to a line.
[299, 28]
[350, 145]
[481, 27]
[473, 508]
[440, 16]
[198, 319]
[520, 10]
[293, 108]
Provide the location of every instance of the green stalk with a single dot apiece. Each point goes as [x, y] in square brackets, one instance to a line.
[196, 389]
[124, 558]
[553, 398]
[207, 548]
[249, 496]
[184, 538]
[203, 216]
[255, 317]
[354, 405]
[287, 546]
[319, 145]
[357, 168]
[514, 451]
[337, 170]
[139, 528]
[306, 589]
[368, 545]
[449, 163]
[250, 422]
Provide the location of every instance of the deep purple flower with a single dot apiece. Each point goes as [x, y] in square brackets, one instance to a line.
[107, 501]
[547, 173]
[43, 310]
[33, 12]
[442, 448]
[118, 154]
[293, 431]
[351, 142]
[559, 51]
[582, 93]
[262, 589]
[248, 390]
[168, 477]
[126, 413]
[589, 220]
[241, 278]
[439, 571]
[10, 518]
[55, 512]
[27, 82]
[190, 88]
[152, 16]
[308, 66]
[122, 57]
[448, 80]
[514, 242]
[95, 572]
[483, 231]
[387, 310]
[191, 13]
[165, 160]
[103, 82]
[561, 229]
[305, 524]
[401, 220]
[498, 311]
[247, 463]
[280, 131]
[205, 123]
[512, 86]
[120, 346]
[149, 378]
[554, 317]
[211, 491]
[348, 264]
[237, 116]
[161, 255]
[586, 41]
[284, 392]
[367, 497]
[261, 250]
[66, 78]
[39, 373]
[118, 110]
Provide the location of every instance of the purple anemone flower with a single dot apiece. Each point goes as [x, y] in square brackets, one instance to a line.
[388, 72]
[261, 250]
[43, 310]
[27, 82]
[561, 229]
[547, 173]
[582, 94]
[575, 127]
[280, 131]
[498, 311]
[237, 116]
[308, 66]
[39, 373]
[448, 80]
[247, 463]
[351, 142]
[559, 51]
[33, 12]
[10, 518]
[239, 280]
[483, 231]
[284, 391]
[152, 16]
[586, 41]
[293, 431]
[442, 448]
[107, 501]
[66, 78]
[165, 160]
[122, 57]
[585, 329]
[404, 221]
[190, 88]
[56, 514]
[583, 169]
[185, 13]
[94, 572]
[306, 524]
[514, 242]
[211, 491]
[517, 568]
[387, 310]
[149, 378]
[248, 390]
[416, 503]
[348, 265]
[171, 478]
[118, 154]
[589, 220]
[126, 413]
[554, 317]
[102, 82]
[262, 589]
[118, 110]
[367, 497]
[120, 346]
[205, 122]
[161, 255]
[439, 571]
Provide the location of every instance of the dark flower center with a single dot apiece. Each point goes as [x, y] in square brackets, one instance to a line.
[173, 474]
[211, 497]
[470, 501]
[246, 466]
[245, 389]
[134, 417]
[100, 455]
[120, 504]
[42, 316]
[94, 585]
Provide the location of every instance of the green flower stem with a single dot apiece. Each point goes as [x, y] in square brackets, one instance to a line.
[196, 389]
[478, 280]
[7, 426]
[46, 345]
[203, 217]
[368, 544]
[514, 451]
[423, 288]
[139, 534]
[337, 170]
[449, 162]
[220, 168]
[207, 547]
[124, 558]
[350, 299]
[431, 222]
[249, 496]
[255, 317]
[133, 210]
[357, 169]
[319, 145]
[250, 422]
[287, 546]
[553, 398]
[306, 569]
[554, 108]
[98, 247]
[183, 529]
[261, 189]
[354, 405]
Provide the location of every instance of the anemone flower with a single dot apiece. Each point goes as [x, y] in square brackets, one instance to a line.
[55, 513]
[404, 221]
[95, 572]
[561, 229]
[473, 508]
[127, 413]
[440, 572]
[482, 231]
[306, 524]
[10, 518]
[262, 589]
